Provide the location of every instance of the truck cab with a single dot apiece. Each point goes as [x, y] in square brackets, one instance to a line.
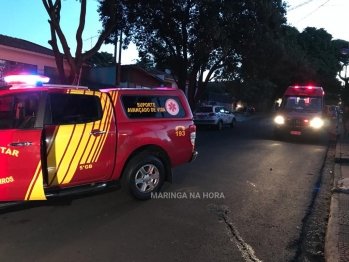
[301, 112]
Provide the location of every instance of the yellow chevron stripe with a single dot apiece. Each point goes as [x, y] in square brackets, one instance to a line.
[81, 91]
[56, 154]
[69, 154]
[92, 141]
[105, 127]
[80, 150]
[114, 98]
[89, 147]
[37, 190]
[105, 107]
[52, 140]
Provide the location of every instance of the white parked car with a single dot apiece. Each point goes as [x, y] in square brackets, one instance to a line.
[214, 116]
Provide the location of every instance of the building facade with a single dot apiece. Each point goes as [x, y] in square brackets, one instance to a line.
[20, 56]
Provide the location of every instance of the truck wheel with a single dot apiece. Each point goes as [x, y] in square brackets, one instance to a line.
[219, 125]
[233, 123]
[143, 175]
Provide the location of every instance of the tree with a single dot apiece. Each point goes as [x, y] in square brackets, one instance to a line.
[101, 59]
[321, 54]
[75, 63]
[199, 40]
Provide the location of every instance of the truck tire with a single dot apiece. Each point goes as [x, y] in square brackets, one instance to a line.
[144, 175]
[220, 125]
[233, 123]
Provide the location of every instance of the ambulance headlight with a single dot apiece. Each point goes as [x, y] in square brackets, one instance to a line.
[279, 120]
[316, 122]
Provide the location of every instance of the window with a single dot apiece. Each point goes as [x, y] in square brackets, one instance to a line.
[226, 111]
[72, 109]
[204, 109]
[302, 103]
[19, 110]
[148, 106]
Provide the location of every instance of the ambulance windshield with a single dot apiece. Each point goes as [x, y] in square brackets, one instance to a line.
[18, 110]
[310, 103]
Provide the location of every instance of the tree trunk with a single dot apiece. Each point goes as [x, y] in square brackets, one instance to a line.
[75, 64]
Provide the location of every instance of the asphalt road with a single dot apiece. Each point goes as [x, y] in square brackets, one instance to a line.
[245, 198]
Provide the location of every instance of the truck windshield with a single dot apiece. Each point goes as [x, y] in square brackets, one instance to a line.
[310, 103]
[18, 110]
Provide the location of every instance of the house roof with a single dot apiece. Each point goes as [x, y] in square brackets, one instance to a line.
[143, 70]
[158, 72]
[25, 45]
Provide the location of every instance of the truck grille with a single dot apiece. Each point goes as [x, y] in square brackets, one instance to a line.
[296, 122]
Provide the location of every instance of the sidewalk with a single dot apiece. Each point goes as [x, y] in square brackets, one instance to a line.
[337, 237]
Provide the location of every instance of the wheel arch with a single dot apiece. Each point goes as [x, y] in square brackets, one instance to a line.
[156, 151]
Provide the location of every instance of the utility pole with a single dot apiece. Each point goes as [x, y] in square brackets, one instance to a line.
[115, 47]
[119, 64]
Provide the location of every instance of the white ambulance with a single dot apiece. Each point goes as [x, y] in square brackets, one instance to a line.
[301, 112]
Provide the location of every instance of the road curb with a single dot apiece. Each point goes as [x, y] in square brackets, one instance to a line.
[332, 231]
[337, 157]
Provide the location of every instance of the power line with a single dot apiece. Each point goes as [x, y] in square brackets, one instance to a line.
[314, 11]
[300, 5]
[90, 38]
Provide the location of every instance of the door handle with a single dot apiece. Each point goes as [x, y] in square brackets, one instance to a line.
[97, 132]
[21, 144]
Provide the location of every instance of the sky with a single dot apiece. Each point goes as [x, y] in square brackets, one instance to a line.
[28, 20]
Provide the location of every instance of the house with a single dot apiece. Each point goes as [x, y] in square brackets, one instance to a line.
[165, 76]
[21, 56]
[132, 76]
[135, 76]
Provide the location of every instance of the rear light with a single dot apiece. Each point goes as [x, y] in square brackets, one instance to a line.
[310, 87]
[306, 120]
[192, 130]
[212, 114]
[296, 87]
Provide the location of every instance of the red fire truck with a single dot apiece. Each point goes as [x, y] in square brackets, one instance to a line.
[57, 140]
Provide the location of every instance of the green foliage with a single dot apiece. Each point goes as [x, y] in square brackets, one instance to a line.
[247, 43]
[190, 37]
[101, 59]
[321, 54]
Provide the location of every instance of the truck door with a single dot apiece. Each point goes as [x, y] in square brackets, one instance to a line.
[80, 137]
[21, 125]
